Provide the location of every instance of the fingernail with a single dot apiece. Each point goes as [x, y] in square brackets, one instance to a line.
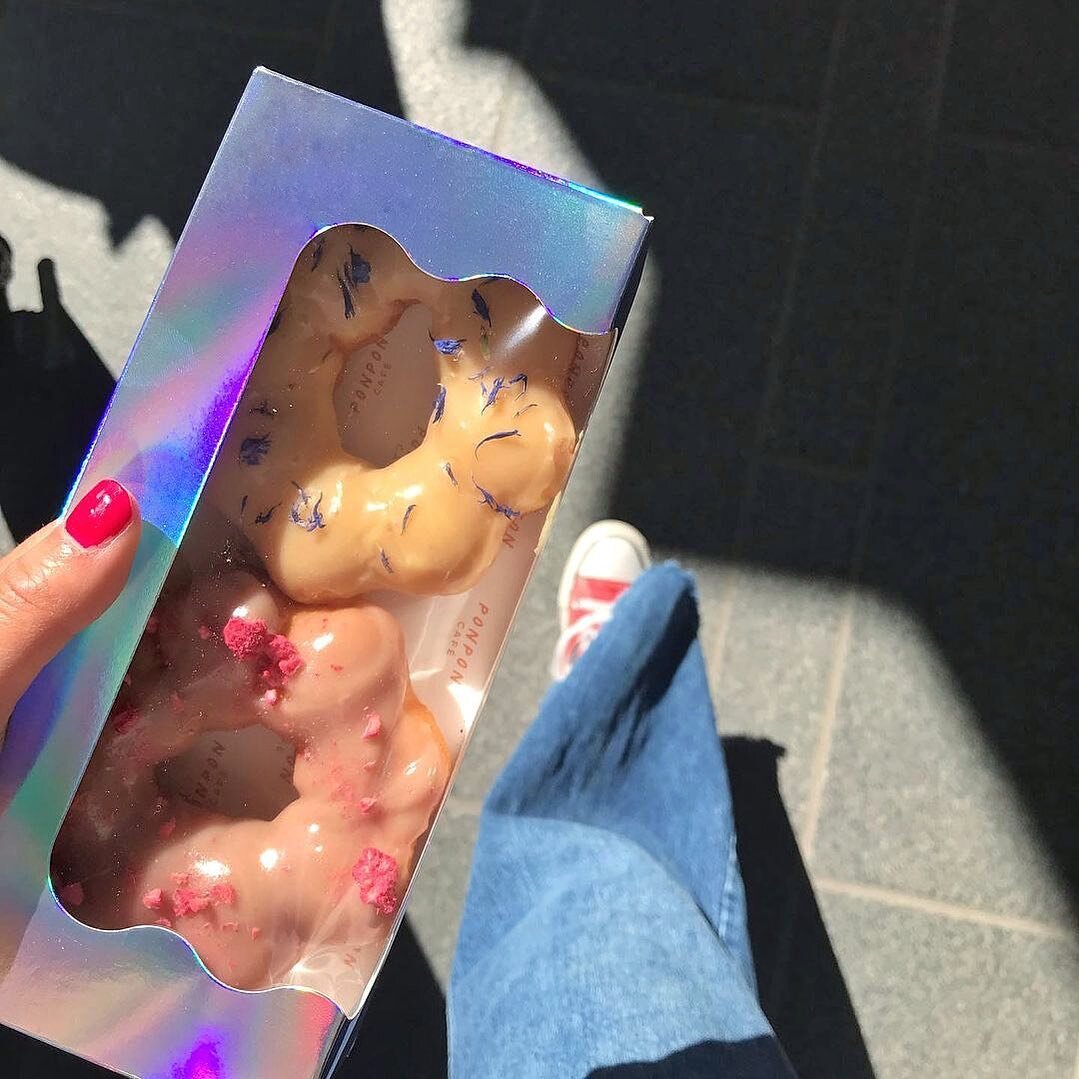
[100, 515]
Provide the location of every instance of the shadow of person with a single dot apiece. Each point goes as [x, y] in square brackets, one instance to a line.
[55, 390]
[799, 980]
[706, 114]
[141, 142]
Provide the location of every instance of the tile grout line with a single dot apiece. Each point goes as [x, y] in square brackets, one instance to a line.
[906, 284]
[782, 324]
[939, 908]
[822, 750]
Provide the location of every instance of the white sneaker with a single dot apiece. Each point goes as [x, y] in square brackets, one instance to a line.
[606, 559]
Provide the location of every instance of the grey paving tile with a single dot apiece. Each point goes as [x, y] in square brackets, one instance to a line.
[952, 1000]
[887, 71]
[828, 393]
[437, 899]
[916, 799]
[775, 666]
[1011, 71]
[871, 162]
[975, 527]
[776, 56]
[803, 523]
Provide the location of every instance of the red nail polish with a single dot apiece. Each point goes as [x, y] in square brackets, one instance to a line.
[100, 515]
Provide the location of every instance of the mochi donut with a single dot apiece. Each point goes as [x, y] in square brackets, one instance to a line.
[499, 442]
[319, 884]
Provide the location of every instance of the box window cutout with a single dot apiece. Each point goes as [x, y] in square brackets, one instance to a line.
[285, 734]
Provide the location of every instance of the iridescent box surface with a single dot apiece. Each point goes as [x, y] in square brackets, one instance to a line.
[294, 160]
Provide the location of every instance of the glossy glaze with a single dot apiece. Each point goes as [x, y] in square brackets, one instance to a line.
[499, 442]
[370, 769]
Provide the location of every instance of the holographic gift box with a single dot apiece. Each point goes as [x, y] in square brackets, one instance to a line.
[355, 399]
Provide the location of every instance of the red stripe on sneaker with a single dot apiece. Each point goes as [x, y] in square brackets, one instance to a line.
[600, 589]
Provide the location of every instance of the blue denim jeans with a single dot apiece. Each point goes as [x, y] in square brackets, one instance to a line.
[604, 933]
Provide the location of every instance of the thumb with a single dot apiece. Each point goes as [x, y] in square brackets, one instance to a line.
[59, 580]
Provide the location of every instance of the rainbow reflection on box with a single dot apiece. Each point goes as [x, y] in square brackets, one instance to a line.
[294, 161]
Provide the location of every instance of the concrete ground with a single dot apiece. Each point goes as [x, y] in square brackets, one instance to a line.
[846, 398]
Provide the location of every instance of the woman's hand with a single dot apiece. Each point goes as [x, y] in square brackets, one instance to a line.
[58, 581]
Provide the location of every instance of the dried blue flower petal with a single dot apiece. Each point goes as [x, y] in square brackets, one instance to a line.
[449, 472]
[496, 435]
[408, 513]
[489, 499]
[263, 408]
[243, 506]
[385, 559]
[491, 394]
[253, 449]
[265, 515]
[316, 255]
[440, 403]
[357, 269]
[448, 346]
[523, 378]
[303, 513]
[346, 295]
[480, 304]
[522, 411]
[479, 375]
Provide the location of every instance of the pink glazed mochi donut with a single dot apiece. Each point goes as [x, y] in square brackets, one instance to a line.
[317, 885]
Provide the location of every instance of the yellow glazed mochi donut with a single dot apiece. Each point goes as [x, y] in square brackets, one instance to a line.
[320, 882]
[499, 442]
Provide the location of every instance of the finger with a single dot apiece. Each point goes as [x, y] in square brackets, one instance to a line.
[59, 580]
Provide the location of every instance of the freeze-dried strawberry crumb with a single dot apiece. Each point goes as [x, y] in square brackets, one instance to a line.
[255, 932]
[374, 726]
[181, 880]
[167, 828]
[153, 899]
[125, 719]
[365, 805]
[285, 655]
[230, 927]
[205, 632]
[187, 901]
[245, 637]
[223, 893]
[376, 874]
[72, 895]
